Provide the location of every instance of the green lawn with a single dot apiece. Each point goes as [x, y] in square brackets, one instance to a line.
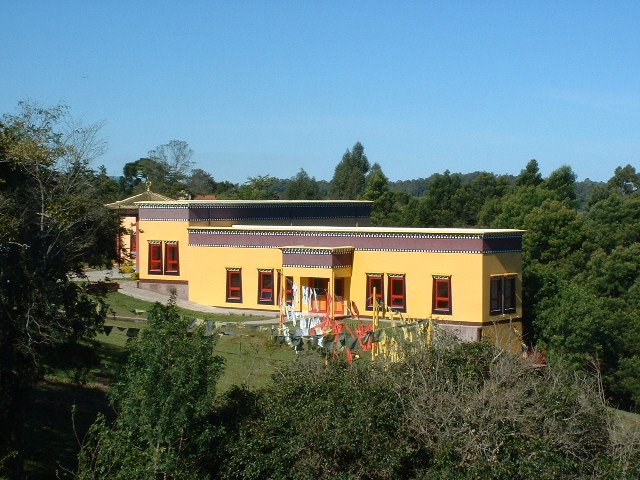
[53, 434]
[121, 305]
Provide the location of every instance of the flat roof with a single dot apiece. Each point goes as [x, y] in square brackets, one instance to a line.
[250, 202]
[391, 230]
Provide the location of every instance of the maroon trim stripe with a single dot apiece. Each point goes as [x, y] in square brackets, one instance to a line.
[413, 242]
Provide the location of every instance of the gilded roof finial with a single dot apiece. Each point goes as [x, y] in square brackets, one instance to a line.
[148, 185]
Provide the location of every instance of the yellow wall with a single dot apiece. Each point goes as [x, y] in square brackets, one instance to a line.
[208, 282]
[166, 231]
[505, 335]
[465, 270]
[205, 270]
[496, 264]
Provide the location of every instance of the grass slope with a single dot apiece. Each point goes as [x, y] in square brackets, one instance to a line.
[53, 434]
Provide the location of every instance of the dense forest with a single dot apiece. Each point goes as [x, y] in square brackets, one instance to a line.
[581, 303]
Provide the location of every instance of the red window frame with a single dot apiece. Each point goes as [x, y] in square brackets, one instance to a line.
[265, 287]
[171, 259]
[375, 280]
[397, 296]
[441, 303]
[155, 259]
[234, 285]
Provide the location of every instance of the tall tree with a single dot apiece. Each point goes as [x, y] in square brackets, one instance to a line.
[349, 178]
[53, 225]
[625, 180]
[438, 208]
[563, 182]
[384, 200]
[303, 187]
[530, 175]
[200, 182]
[261, 187]
[135, 176]
[175, 156]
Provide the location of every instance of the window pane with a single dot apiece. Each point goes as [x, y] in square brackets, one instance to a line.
[155, 258]
[234, 286]
[374, 282]
[397, 287]
[442, 295]
[510, 294]
[443, 289]
[496, 295]
[265, 287]
[171, 253]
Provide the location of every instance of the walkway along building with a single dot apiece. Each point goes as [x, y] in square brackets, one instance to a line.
[324, 257]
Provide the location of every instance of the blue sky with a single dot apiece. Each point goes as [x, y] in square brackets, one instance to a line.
[268, 87]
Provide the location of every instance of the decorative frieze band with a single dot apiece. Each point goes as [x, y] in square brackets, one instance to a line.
[362, 241]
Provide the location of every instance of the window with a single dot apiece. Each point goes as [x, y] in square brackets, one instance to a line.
[155, 258]
[374, 282]
[265, 287]
[441, 302]
[502, 294]
[397, 294]
[234, 285]
[509, 302]
[171, 259]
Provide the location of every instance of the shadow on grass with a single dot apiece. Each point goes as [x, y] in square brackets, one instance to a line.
[60, 412]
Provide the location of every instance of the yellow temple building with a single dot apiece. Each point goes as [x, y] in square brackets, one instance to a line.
[325, 258]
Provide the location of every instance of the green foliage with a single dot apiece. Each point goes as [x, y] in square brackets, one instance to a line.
[452, 201]
[530, 175]
[302, 187]
[563, 182]
[613, 221]
[349, 179]
[168, 169]
[386, 204]
[53, 224]
[625, 180]
[261, 187]
[454, 411]
[200, 182]
[163, 401]
[317, 422]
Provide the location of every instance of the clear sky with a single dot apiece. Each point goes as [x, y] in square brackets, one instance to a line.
[268, 87]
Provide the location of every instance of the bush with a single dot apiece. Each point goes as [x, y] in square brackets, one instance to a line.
[452, 412]
[163, 401]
